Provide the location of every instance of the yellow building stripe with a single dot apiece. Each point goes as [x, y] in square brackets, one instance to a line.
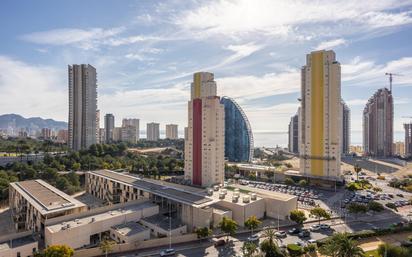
[317, 113]
[197, 84]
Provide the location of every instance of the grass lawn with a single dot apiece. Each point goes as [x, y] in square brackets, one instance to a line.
[373, 253]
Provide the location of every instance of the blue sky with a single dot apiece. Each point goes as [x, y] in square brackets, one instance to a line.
[146, 51]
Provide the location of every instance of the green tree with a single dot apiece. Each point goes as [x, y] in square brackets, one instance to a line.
[228, 226]
[303, 182]
[107, 246]
[357, 208]
[203, 232]
[297, 216]
[252, 223]
[389, 250]
[249, 249]
[375, 206]
[58, 251]
[319, 213]
[340, 245]
[294, 250]
[357, 170]
[289, 181]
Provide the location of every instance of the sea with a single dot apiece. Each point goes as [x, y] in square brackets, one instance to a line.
[273, 139]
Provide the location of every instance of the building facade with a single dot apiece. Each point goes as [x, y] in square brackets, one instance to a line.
[408, 139]
[82, 106]
[204, 147]
[98, 127]
[321, 117]
[378, 124]
[152, 131]
[398, 148]
[109, 127]
[293, 132]
[345, 136]
[171, 131]
[238, 132]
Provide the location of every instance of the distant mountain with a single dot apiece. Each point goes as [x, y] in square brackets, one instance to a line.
[15, 121]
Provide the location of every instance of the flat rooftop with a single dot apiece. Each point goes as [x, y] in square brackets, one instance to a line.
[4, 246]
[98, 217]
[44, 197]
[268, 194]
[248, 166]
[162, 221]
[160, 188]
[129, 229]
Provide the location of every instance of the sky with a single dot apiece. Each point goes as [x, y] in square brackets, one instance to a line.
[146, 52]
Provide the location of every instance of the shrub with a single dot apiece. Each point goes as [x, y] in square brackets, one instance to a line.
[294, 250]
[391, 206]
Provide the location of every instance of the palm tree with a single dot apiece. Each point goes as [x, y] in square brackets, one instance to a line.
[249, 249]
[340, 245]
[357, 170]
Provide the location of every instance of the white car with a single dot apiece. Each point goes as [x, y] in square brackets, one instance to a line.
[312, 241]
[168, 252]
[253, 238]
[315, 227]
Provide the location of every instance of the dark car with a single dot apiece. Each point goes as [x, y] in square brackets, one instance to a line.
[220, 242]
[304, 233]
[294, 231]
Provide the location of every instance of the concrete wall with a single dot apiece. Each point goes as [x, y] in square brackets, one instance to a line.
[120, 238]
[160, 242]
[218, 216]
[157, 231]
[273, 206]
[24, 250]
[241, 213]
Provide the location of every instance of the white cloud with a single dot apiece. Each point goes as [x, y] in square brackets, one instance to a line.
[326, 45]
[83, 38]
[245, 17]
[367, 72]
[253, 87]
[32, 90]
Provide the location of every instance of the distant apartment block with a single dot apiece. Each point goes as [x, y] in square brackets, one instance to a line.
[82, 106]
[378, 124]
[62, 135]
[205, 144]
[109, 127]
[171, 131]
[408, 139]
[46, 133]
[345, 132]
[130, 130]
[293, 132]
[98, 127]
[32, 202]
[152, 131]
[321, 120]
[399, 148]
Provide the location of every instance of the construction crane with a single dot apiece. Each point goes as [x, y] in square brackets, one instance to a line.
[391, 79]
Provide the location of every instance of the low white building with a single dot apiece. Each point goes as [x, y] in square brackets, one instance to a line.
[18, 245]
[89, 227]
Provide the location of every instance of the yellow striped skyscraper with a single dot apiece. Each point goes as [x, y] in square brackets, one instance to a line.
[320, 117]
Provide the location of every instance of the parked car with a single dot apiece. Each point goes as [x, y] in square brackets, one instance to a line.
[294, 231]
[304, 233]
[315, 227]
[220, 242]
[168, 252]
[324, 226]
[312, 241]
[281, 234]
[253, 238]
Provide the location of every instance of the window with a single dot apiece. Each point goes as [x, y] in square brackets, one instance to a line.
[18, 254]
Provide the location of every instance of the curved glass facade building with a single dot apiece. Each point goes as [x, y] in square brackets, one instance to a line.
[238, 134]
